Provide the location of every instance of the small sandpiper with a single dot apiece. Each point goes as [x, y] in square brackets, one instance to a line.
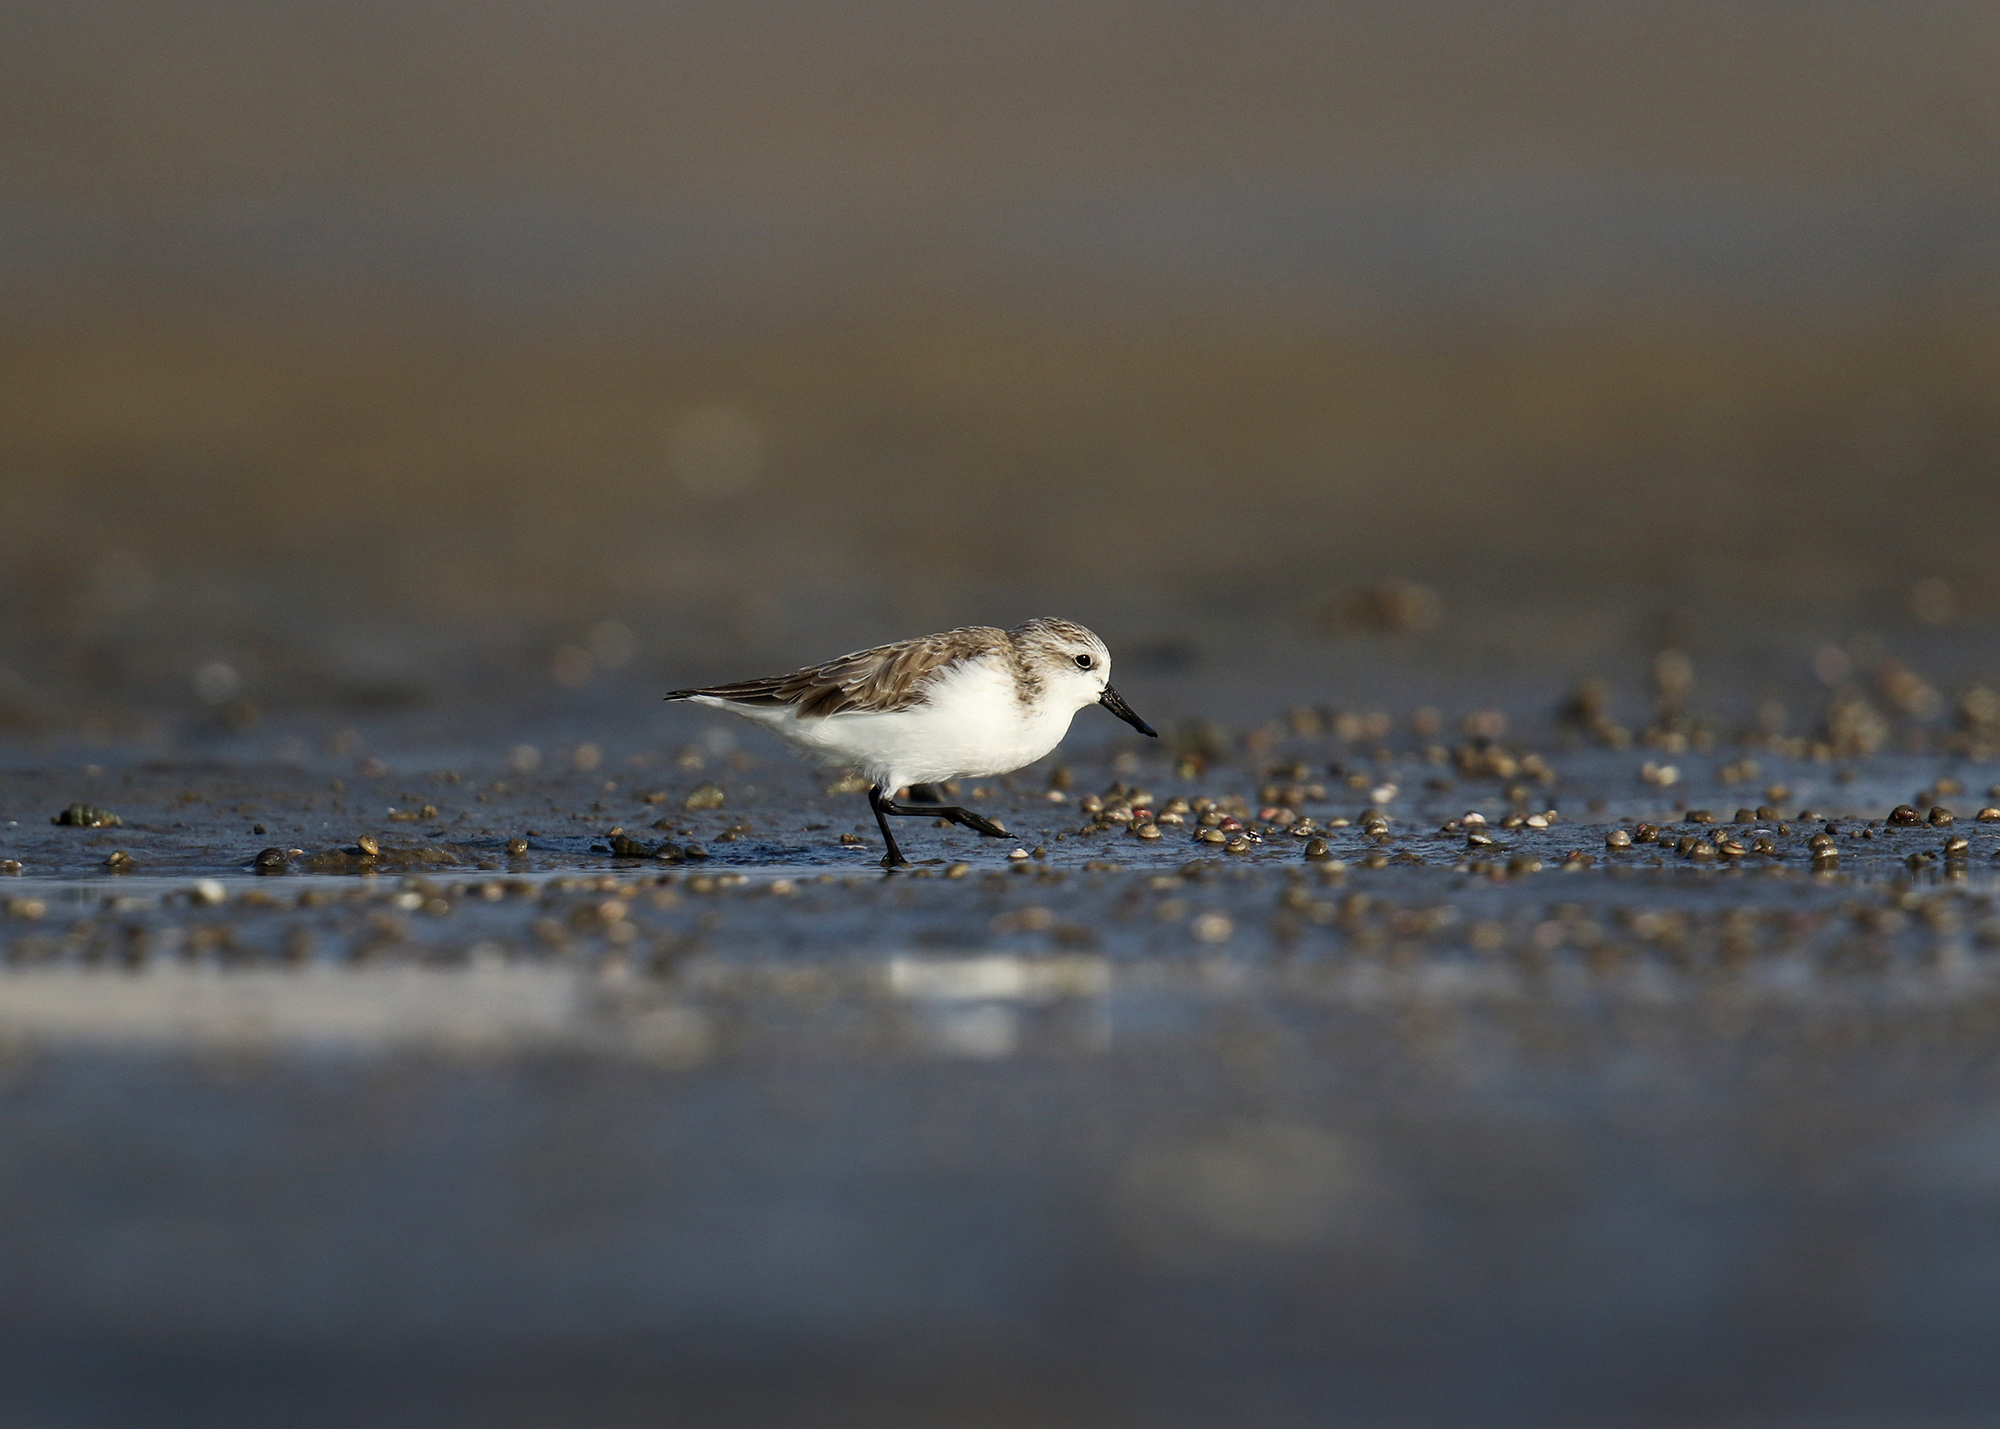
[963, 704]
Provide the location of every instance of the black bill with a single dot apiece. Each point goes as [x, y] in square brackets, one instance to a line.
[1115, 702]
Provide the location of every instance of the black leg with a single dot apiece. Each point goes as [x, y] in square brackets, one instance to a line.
[883, 808]
[966, 817]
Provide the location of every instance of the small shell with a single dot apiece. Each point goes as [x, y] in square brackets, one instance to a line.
[88, 816]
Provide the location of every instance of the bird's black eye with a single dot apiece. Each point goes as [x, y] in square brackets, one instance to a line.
[1083, 662]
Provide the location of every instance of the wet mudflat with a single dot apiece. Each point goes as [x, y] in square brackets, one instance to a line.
[1350, 1068]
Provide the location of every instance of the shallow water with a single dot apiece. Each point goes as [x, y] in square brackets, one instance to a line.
[1117, 1132]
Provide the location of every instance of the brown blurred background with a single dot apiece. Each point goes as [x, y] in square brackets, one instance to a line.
[724, 316]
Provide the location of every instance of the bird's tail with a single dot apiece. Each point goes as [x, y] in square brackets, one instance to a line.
[743, 692]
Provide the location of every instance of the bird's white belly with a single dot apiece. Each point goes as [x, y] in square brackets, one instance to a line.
[973, 725]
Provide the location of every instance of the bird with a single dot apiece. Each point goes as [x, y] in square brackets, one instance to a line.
[968, 703]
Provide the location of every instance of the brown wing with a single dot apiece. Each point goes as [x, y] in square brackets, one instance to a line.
[878, 681]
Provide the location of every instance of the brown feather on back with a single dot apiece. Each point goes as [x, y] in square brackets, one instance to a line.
[881, 680]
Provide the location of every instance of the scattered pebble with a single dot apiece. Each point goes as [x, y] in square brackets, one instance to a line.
[88, 816]
[1212, 927]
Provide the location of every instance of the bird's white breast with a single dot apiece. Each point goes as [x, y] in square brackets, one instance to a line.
[973, 724]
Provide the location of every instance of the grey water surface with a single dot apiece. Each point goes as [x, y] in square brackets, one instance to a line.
[1115, 1131]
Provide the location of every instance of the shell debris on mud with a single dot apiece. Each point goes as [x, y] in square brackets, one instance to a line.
[1280, 1023]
